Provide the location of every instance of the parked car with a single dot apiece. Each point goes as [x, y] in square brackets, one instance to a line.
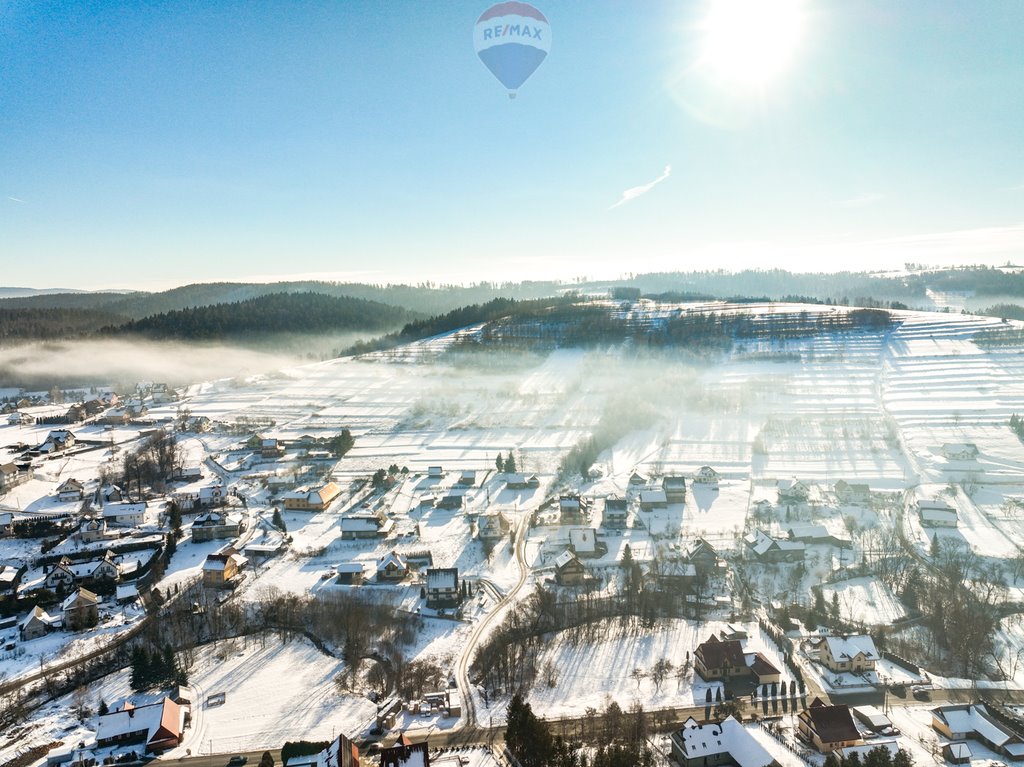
[237, 760]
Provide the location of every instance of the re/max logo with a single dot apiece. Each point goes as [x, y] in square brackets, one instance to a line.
[492, 33]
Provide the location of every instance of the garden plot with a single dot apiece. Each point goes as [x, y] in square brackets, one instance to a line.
[865, 600]
[588, 673]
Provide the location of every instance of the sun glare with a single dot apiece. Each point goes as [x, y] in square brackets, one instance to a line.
[751, 42]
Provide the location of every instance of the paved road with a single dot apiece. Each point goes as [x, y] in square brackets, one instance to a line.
[221, 760]
[468, 721]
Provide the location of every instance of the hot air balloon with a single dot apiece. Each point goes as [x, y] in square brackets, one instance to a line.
[512, 40]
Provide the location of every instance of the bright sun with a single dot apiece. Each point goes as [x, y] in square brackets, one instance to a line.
[751, 42]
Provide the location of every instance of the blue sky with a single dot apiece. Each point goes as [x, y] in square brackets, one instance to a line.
[154, 144]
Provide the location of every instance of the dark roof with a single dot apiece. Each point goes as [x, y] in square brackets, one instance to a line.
[405, 754]
[832, 723]
[718, 654]
[762, 666]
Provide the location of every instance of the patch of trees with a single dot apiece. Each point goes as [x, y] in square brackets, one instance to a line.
[876, 757]
[623, 738]
[1005, 311]
[1017, 425]
[619, 419]
[505, 465]
[153, 667]
[295, 748]
[157, 460]
[266, 315]
[19, 325]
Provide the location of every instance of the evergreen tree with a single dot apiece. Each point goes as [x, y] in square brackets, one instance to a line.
[902, 758]
[278, 521]
[267, 760]
[103, 709]
[499, 463]
[510, 463]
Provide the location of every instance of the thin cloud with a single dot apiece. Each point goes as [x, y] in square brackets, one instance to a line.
[860, 201]
[14, 199]
[638, 191]
[1015, 188]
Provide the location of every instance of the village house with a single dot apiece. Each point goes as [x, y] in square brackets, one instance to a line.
[849, 493]
[341, 752]
[706, 476]
[37, 623]
[960, 451]
[435, 472]
[493, 527]
[956, 753]
[466, 479]
[443, 587]
[70, 490]
[792, 491]
[569, 571]
[704, 557]
[701, 744]
[6, 524]
[57, 440]
[674, 486]
[214, 525]
[652, 499]
[451, 502]
[270, 448]
[584, 543]
[157, 726]
[826, 727]
[616, 512]
[392, 567]
[124, 514]
[636, 479]
[93, 529]
[725, 660]
[11, 476]
[10, 578]
[769, 550]
[854, 653]
[18, 418]
[677, 575]
[519, 481]
[349, 573]
[81, 610]
[365, 525]
[311, 498]
[223, 568]
[405, 754]
[934, 512]
[573, 510]
[60, 578]
[974, 722]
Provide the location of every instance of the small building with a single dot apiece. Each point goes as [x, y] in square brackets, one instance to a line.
[792, 491]
[873, 718]
[637, 479]
[11, 476]
[451, 502]
[674, 486]
[124, 514]
[349, 573]
[158, 726]
[311, 498]
[365, 525]
[616, 513]
[584, 543]
[70, 490]
[57, 440]
[717, 659]
[826, 727]
[392, 567]
[18, 418]
[223, 568]
[6, 524]
[270, 448]
[435, 472]
[956, 753]
[974, 722]
[10, 578]
[854, 653]
[706, 476]
[443, 587]
[405, 754]
[700, 744]
[960, 451]
[81, 610]
[703, 556]
[519, 481]
[94, 529]
[652, 499]
[466, 479]
[851, 493]
[213, 525]
[572, 509]
[934, 512]
[493, 527]
[37, 623]
[569, 571]
[126, 593]
[768, 550]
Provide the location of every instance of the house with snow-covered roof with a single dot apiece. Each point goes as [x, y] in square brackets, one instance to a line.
[392, 567]
[214, 525]
[850, 653]
[443, 587]
[585, 544]
[852, 493]
[223, 568]
[792, 491]
[698, 744]
[493, 527]
[935, 512]
[157, 726]
[569, 571]
[766, 549]
[81, 609]
[974, 722]
[37, 623]
[653, 498]
[311, 498]
[960, 451]
[706, 476]
[616, 512]
[124, 514]
[70, 490]
[405, 754]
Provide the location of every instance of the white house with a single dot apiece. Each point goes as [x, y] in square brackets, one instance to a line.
[727, 742]
[960, 451]
[124, 514]
[706, 476]
[934, 512]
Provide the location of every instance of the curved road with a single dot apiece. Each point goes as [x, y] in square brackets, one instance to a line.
[462, 667]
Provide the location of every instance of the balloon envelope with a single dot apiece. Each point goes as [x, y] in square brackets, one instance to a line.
[512, 39]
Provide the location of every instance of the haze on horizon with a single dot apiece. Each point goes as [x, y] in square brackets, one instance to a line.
[147, 147]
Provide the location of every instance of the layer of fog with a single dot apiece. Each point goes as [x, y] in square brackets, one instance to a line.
[122, 363]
